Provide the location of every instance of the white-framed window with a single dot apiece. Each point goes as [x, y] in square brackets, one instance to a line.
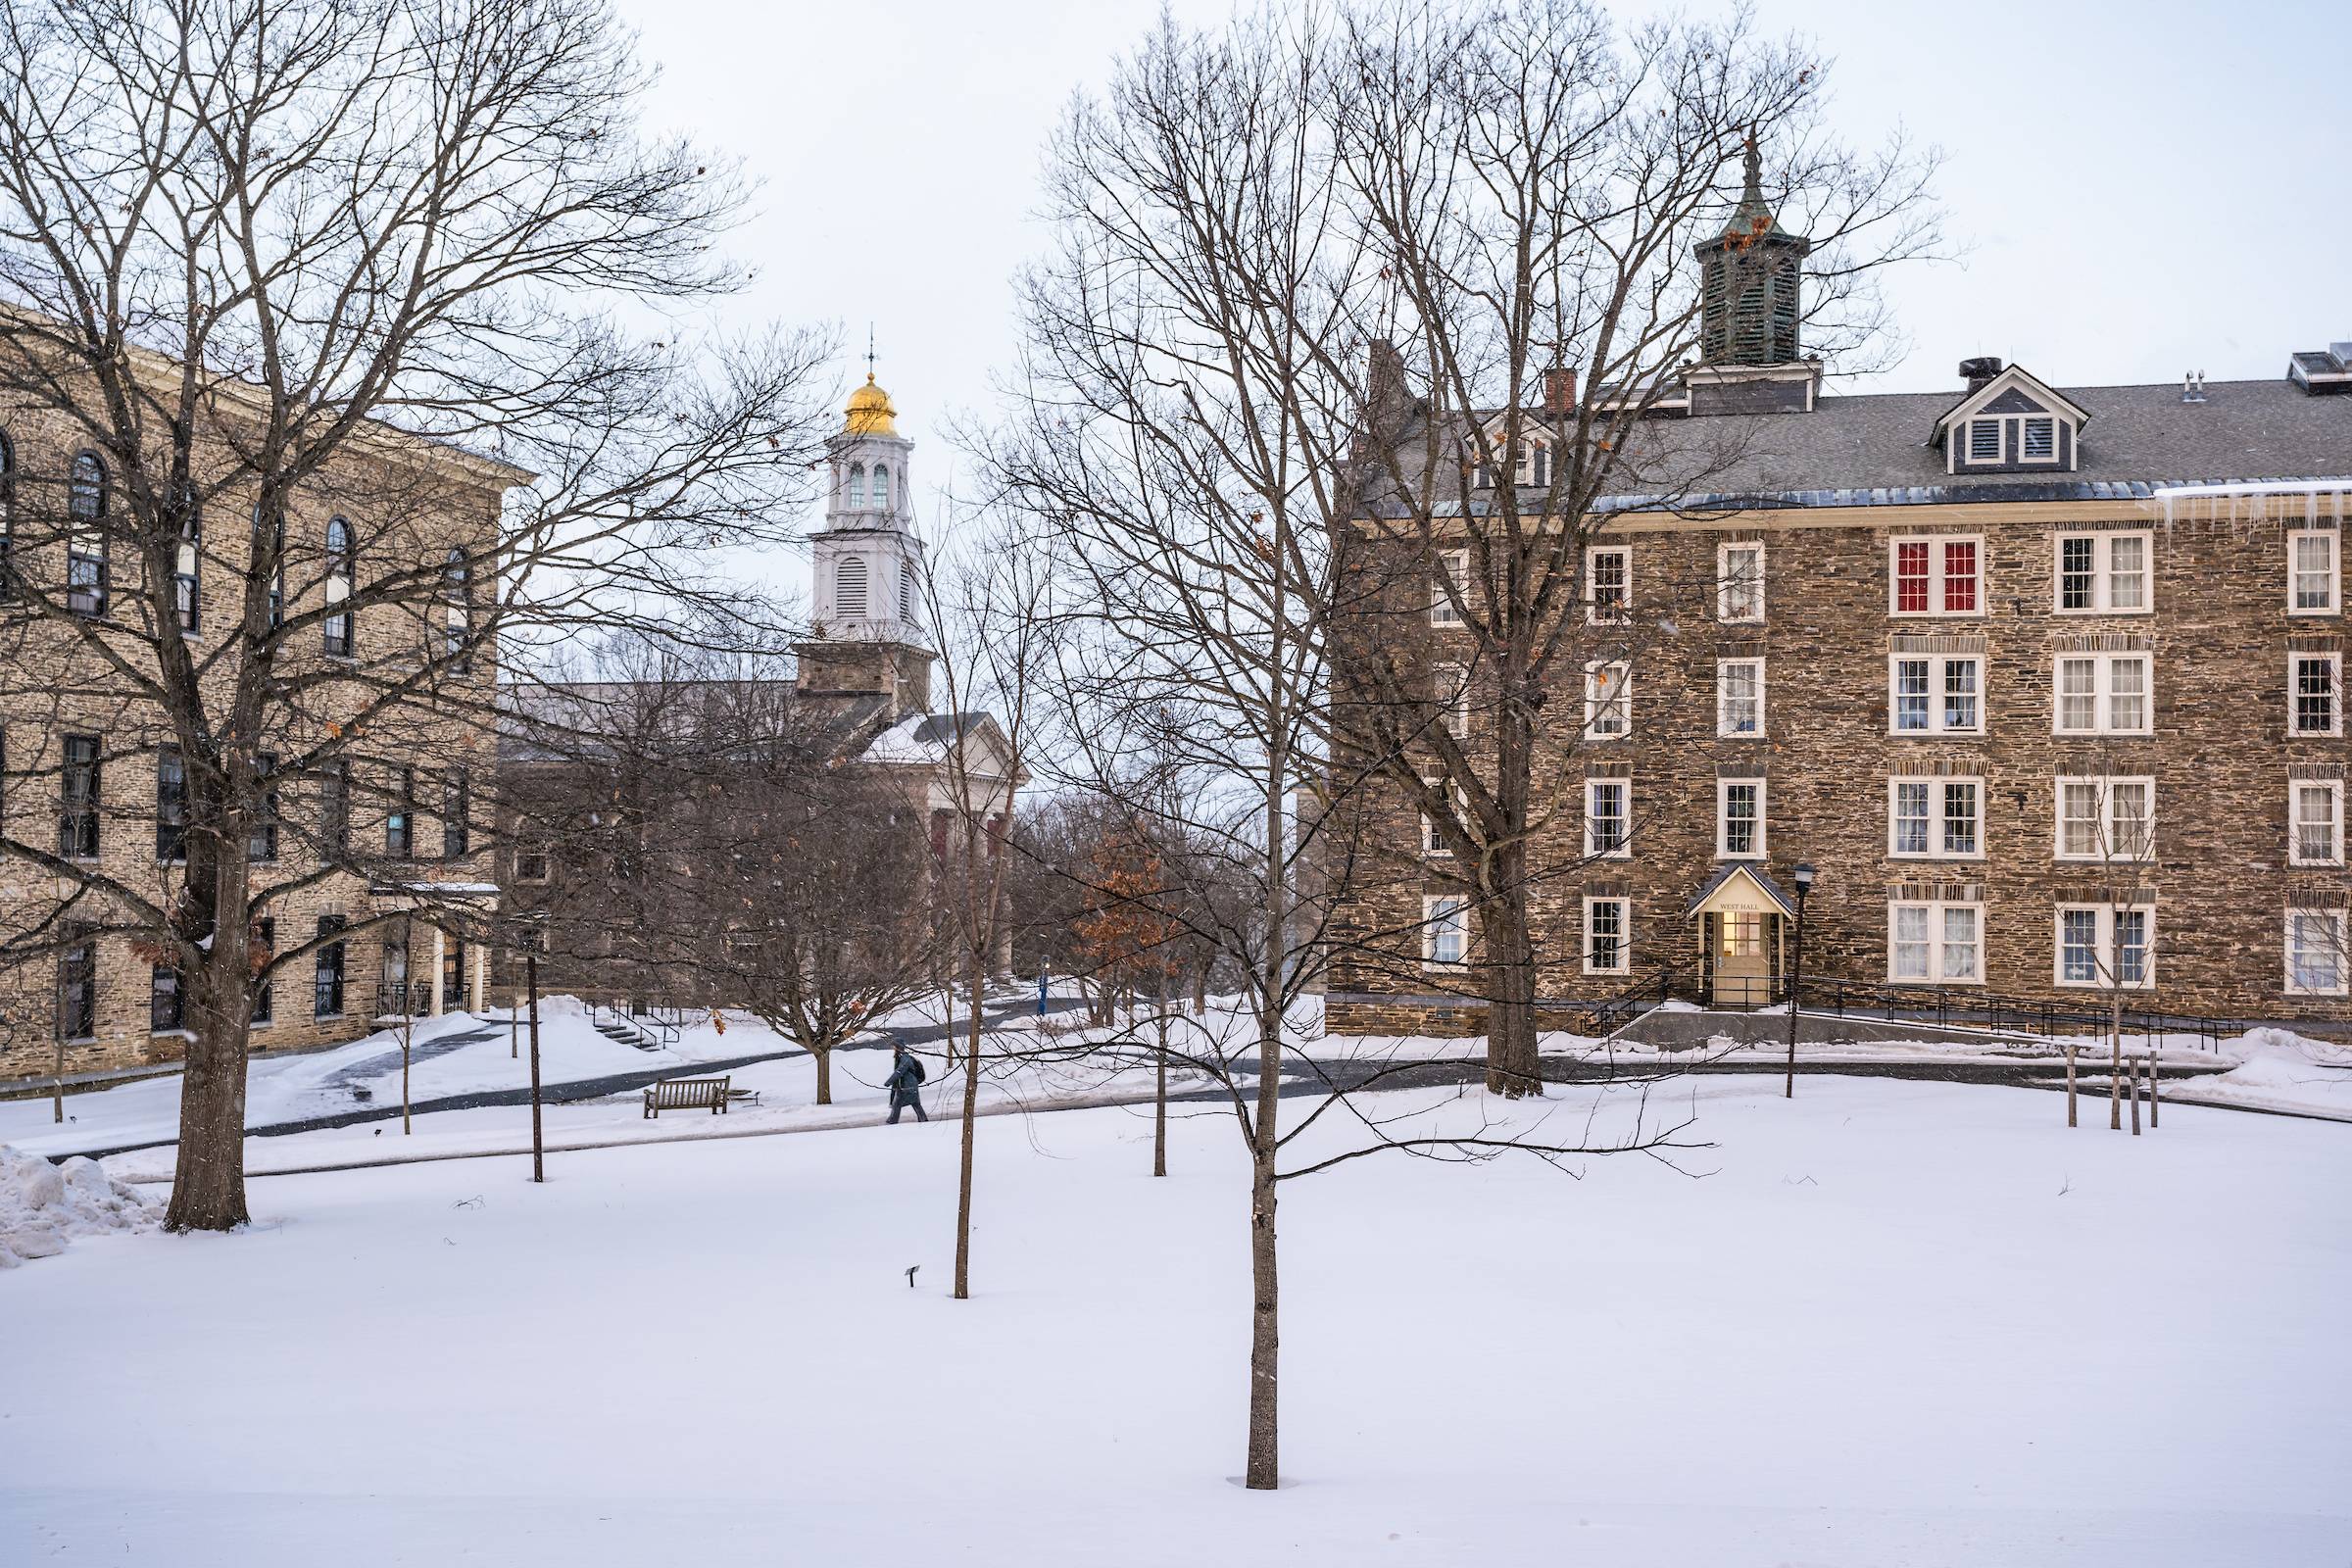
[1534, 466]
[2103, 573]
[1456, 565]
[2037, 439]
[1608, 700]
[1608, 936]
[1433, 842]
[1933, 943]
[1739, 583]
[1608, 583]
[2315, 821]
[1984, 440]
[1444, 930]
[2314, 953]
[2106, 819]
[2314, 585]
[1935, 694]
[1938, 575]
[1450, 690]
[2312, 683]
[1740, 697]
[1609, 819]
[1936, 818]
[2101, 694]
[2106, 944]
[1739, 819]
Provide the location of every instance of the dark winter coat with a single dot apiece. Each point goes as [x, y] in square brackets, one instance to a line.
[905, 1078]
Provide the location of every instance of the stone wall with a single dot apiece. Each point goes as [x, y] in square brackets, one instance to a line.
[2220, 757]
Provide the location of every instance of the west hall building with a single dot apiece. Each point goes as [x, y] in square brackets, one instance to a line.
[2044, 682]
[94, 794]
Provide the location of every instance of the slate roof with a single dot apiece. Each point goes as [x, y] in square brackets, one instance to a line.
[1871, 450]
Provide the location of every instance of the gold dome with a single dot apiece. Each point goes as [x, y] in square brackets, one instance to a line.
[870, 413]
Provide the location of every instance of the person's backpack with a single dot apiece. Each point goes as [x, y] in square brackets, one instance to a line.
[914, 1066]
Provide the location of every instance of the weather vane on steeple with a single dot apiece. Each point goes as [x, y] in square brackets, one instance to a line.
[870, 350]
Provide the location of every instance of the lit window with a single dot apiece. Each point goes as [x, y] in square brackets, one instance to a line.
[2112, 820]
[2312, 584]
[1608, 701]
[1739, 583]
[1936, 576]
[1739, 818]
[2313, 679]
[2101, 694]
[2316, 822]
[1935, 695]
[2314, 953]
[1740, 697]
[1609, 945]
[1930, 943]
[2103, 573]
[2106, 945]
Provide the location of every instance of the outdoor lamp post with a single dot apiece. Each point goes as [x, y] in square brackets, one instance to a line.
[1803, 875]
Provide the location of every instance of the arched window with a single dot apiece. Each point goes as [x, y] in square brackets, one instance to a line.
[457, 610]
[857, 484]
[339, 564]
[187, 575]
[848, 589]
[86, 537]
[881, 488]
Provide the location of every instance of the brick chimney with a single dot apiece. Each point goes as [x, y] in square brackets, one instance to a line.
[1559, 390]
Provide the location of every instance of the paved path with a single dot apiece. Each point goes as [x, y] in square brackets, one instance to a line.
[578, 1089]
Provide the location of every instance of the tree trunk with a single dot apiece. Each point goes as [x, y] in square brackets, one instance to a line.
[57, 1085]
[208, 1181]
[2115, 1074]
[1159, 1091]
[1265, 1299]
[1512, 1066]
[824, 1075]
[971, 1116]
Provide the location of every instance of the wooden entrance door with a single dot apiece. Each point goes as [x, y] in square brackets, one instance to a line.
[1742, 959]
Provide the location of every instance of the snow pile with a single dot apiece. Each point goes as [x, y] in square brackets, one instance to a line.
[43, 1206]
[2278, 1069]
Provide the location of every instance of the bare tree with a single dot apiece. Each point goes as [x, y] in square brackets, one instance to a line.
[270, 264]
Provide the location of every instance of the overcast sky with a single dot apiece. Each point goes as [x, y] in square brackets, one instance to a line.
[2144, 189]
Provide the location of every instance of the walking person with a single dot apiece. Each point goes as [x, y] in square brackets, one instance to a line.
[905, 1082]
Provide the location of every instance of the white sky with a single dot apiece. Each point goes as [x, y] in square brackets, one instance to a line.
[2146, 188]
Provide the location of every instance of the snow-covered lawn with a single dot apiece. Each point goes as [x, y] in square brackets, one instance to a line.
[1895, 1323]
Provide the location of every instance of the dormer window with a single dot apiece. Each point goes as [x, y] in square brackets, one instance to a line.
[2009, 422]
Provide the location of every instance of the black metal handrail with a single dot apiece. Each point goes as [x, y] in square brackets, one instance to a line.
[1964, 1006]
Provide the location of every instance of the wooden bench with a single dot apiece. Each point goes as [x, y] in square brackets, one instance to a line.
[686, 1094]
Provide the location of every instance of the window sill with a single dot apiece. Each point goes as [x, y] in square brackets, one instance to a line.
[171, 1034]
[2101, 985]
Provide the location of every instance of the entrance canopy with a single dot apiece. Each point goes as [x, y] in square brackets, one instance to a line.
[1740, 889]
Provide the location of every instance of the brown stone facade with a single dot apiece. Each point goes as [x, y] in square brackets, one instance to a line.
[408, 509]
[2219, 752]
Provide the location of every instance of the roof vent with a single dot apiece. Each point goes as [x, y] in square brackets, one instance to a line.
[1978, 374]
[2192, 387]
[2322, 372]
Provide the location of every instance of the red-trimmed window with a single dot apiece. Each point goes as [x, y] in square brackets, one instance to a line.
[1937, 577]
[1960, 577]
[1911, 577]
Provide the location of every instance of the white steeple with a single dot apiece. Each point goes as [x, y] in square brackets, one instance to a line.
[868, 562]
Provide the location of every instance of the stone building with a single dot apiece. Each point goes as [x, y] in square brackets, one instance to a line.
[2044, 682]
[388, 822]
[857, 708]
